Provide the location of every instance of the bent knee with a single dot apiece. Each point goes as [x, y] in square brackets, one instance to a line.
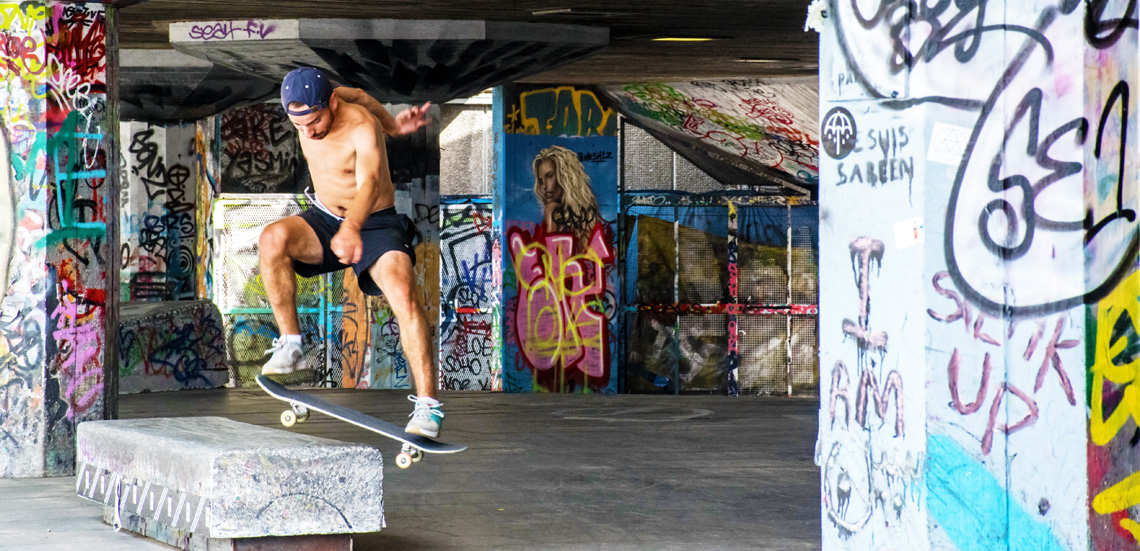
[274, 240]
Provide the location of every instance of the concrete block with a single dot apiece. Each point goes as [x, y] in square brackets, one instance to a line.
[217, 478]
[148, 527]
[171, 346]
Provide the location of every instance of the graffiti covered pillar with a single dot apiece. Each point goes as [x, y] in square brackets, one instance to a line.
[978, 240]
[57, 230]
[1113, 285]
[556, 204]
[159, 218]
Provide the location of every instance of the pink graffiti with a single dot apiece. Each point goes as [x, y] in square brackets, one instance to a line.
[558, 320]
[79, 344]
[1051, 359]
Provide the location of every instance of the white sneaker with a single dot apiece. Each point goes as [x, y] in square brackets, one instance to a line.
[426, 420]
[287, 358]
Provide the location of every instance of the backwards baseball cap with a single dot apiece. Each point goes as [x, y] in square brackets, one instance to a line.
[306, 85]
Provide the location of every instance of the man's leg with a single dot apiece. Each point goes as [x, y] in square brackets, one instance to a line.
[280, 244]
[393, 273]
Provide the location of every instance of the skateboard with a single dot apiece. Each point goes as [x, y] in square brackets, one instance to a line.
[300, 403]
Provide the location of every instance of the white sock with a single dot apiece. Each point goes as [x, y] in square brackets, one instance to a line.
[295, 339]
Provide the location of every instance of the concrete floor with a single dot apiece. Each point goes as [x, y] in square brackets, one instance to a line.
[543, 471]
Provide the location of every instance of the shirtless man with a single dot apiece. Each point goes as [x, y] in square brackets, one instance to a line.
[354, 224]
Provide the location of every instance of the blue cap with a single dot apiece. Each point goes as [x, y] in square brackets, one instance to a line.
[306, 85]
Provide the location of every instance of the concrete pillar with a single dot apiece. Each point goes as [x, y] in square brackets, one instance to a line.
[60, 116]
[977, 248]
[158, 220]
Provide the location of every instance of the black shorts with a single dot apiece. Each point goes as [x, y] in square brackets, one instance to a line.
[383, 231]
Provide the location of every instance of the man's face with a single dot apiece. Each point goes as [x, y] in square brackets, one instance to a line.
[551, 191]
[315, 125]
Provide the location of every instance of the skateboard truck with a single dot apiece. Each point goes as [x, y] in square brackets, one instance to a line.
[408, 454]
[297, 414]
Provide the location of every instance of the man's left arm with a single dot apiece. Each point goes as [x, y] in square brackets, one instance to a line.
[346, 244]
[405, 122]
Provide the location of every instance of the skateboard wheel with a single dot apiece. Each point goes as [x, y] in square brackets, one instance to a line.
[417, 456]
[288, 418]
[404, 460]
[302, 413]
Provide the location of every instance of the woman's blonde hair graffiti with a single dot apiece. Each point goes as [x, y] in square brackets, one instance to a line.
[578, 212]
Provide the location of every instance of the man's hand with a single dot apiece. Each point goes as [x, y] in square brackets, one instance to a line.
[346, 244]
[411, 119]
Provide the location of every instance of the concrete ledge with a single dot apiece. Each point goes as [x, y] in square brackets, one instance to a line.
[171, 346]
[221, 479]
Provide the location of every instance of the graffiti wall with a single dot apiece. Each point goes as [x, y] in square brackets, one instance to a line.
[469, 346]
[53, 232]
[258, 151]
[158, 209]
[985, 146]
[556, 193]
[1113, 287]
[741, 131]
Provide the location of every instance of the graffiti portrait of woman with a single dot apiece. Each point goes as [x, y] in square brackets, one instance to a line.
[564, 193]
[559, 319]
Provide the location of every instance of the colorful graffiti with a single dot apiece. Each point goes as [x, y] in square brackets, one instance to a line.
[53, 231]
[766, 127]
[560, 111]
[966, 136]
[745, 293]
[468, 344]
[561, 319]
[556, 186]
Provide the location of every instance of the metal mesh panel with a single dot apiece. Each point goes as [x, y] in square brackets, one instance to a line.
[240, 294]
[763, 264]
[703, 262]
[465, 150]
[656, 260]
[804, 360]
[805, 267]
[651, 352]
[238, 221]
[762, 345]
[648, 163]
[691, 178]
[704, 352]
[248, 336]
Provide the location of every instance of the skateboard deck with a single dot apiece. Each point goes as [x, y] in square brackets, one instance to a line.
[301, 402]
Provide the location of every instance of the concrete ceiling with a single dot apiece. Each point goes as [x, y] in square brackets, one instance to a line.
[395, 60]
[770, 30]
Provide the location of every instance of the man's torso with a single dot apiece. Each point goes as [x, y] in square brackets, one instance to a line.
[332, 161]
